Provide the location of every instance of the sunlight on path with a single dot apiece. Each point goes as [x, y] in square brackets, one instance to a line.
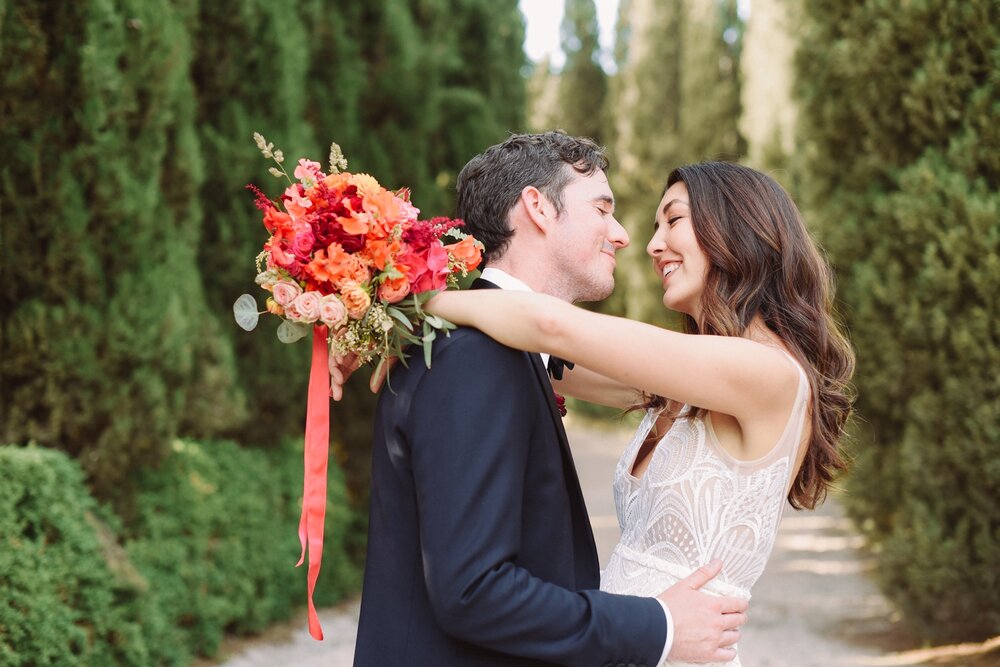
[815, 606]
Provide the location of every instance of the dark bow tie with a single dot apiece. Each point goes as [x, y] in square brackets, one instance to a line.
[556, 366]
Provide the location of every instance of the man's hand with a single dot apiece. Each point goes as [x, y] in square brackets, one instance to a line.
[705, 626]
[342, 367]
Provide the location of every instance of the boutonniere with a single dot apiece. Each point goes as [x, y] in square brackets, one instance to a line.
[560, 403]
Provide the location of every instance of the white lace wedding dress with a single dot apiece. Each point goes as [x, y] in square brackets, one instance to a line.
[694, 503]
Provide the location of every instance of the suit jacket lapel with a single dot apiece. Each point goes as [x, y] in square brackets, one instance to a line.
[585, 571]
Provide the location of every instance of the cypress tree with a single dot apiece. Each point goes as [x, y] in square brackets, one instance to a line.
[768, 70]
[902, 163]
[676, 101]
[248, 52]
[108, 346]
[583, 83]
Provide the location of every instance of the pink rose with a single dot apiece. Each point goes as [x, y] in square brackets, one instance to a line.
[332, 311]
[307, 306]
[303, 243]
[285, 291]
[292, 313]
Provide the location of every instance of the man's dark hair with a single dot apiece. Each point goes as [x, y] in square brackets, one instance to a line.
[491, 183]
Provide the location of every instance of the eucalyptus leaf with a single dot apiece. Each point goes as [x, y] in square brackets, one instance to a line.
[397, 314]
[289, 332]
[427, 353]
[245, 312]
[434, 321]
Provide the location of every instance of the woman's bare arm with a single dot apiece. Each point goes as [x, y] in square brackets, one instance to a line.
[732, 375]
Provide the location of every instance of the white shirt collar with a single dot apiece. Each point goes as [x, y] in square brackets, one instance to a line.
[504, 280]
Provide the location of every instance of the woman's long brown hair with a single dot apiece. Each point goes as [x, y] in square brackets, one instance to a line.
[763, 262]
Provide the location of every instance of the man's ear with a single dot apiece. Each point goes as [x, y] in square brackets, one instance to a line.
[538, 208]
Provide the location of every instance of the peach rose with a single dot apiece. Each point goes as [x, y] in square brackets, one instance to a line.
[356, 270]
[332, 311]
[394, 290]
[286, 291]
[356, 299]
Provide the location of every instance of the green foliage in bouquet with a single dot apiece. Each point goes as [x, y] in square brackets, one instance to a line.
[209, 550]
[901, 171]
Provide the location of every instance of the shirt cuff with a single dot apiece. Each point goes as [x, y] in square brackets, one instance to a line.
[669, 643]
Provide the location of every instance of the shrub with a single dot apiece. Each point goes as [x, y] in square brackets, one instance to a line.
[62, 602]
[902, 150]
[210, 549]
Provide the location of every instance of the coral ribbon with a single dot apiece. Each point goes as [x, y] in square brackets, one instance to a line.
[317, 449]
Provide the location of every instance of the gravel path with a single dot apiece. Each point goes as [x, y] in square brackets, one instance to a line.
[815, 605]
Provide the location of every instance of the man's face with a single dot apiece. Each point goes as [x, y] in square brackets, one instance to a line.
[586, 237]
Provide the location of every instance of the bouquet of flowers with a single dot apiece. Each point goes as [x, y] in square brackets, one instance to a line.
[348, 254]
[351, 262]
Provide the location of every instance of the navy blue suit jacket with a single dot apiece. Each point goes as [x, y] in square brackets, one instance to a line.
[480, 551]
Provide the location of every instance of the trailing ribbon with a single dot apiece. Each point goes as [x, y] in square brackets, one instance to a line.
[317, 450]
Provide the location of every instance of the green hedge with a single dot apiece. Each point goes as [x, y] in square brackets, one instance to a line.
[210, 549]
[902, 161]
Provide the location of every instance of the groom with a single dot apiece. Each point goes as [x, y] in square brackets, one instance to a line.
[480, 551]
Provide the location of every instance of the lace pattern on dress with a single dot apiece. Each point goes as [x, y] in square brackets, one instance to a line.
[695, 503]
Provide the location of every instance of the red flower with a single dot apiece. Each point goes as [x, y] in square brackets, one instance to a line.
[560, 403]
[261, 200]
[427, 270]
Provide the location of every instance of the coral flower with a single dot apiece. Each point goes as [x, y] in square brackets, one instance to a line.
[466, 252]
[329, 265]
[382, 250]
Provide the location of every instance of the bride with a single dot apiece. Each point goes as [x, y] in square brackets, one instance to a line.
[743, 410]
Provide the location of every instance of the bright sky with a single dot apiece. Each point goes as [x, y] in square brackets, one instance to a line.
[543, 18]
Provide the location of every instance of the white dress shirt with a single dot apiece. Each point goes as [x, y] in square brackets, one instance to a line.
[504, 280]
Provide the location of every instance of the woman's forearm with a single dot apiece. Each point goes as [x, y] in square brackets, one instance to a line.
[522, 320]
[592, 387]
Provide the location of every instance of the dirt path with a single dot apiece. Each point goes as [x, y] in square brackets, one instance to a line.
[815, 605]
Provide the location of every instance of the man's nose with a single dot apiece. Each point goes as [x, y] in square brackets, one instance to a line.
[618, 236]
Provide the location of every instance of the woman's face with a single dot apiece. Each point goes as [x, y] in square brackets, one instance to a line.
[677, 258]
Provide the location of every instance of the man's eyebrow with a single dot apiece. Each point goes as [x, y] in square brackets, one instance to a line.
[605, 199]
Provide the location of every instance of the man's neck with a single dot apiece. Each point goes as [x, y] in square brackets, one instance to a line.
[526, 272]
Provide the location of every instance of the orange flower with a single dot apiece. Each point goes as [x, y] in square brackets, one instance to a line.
[356, 270]
[329, 265]
[357, 223]
[394, 290]
[382, 250]
[382, 206]
[335, 181]
[356, 299]
[275, 219]
[466, 252]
